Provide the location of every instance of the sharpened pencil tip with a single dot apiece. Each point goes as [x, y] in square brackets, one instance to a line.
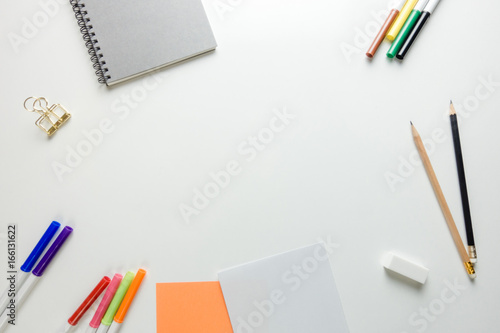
[452, 109]
[411, 123]
[451, 102]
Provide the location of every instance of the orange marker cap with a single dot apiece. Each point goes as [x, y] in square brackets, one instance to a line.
[129, 296]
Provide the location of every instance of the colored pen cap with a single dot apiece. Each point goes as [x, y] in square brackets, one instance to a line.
[115, 303]
[40, 246]
[129, 297]
[87, 303]
[108, 296]
[52, 251]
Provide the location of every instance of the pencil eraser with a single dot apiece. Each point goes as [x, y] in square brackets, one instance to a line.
[405, 267]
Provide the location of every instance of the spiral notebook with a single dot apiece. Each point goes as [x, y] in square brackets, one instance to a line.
[128, 38]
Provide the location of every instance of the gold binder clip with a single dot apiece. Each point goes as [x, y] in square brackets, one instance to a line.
[51, 118]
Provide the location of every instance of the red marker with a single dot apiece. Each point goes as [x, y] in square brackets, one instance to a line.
[87, 303]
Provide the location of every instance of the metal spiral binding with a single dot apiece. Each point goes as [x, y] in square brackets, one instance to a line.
[90, 41]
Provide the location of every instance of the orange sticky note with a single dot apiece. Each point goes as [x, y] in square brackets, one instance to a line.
[191, 307]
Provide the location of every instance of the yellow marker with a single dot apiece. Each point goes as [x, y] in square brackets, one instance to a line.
[401, 19]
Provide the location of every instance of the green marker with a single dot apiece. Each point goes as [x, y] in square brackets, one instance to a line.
[115, 303]
[407, 27]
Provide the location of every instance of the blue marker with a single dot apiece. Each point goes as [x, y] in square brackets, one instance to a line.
[29, 263]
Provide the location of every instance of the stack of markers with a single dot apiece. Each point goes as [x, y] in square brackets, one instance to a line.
[402, 27]
[114, 304]
[112, 309]
[24, 282]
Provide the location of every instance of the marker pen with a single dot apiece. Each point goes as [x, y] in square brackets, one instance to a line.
[127, 300]
[383, 30]
[30, 262]
[428, 10]
[401, 19]
[103, 306]
[87, 303]
[405, 30]
[37, 273]
[115, 303]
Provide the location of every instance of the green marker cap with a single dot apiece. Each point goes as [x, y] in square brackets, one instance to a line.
[117, 299]
[403, 33]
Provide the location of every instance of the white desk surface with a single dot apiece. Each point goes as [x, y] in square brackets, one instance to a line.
[322, 176]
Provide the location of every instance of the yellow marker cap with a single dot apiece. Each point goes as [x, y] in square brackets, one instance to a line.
[129, 297]
[401, 19]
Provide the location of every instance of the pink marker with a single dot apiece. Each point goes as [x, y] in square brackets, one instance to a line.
[101, 310]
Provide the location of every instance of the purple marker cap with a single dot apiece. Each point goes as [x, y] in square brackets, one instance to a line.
[52, 251]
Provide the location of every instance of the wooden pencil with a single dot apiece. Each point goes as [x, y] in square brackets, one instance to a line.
[463, 185]
[442, 202]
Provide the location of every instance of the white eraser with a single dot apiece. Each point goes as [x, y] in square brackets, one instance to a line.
[406, 268]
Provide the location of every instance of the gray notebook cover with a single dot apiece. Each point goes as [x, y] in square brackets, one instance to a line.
[132, 37]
